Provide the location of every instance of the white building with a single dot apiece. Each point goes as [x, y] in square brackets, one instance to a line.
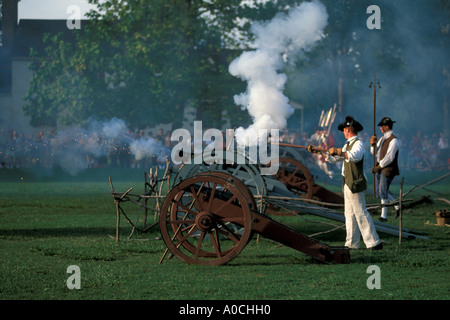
[18, 37]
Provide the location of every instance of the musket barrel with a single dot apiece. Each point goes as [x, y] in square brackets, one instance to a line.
[301, 147]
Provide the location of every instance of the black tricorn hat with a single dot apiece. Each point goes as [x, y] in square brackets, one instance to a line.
[386, 121]
[350, 122]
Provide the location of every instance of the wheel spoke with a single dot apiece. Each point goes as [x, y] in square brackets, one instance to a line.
[195, 195]
[211, 198]
[295, 171]
[176, 222]
[228, 233]
[201, 222]
[216, 243]
[199, 244]
[296, 177]
[283, 169]
[303, 184]
[187, 235]
[187, 210]
[188, 227]
[235, 171]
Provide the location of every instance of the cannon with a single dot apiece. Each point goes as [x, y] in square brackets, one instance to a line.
[300, 174]
[294, 172]
[212, 211]
[209, 218]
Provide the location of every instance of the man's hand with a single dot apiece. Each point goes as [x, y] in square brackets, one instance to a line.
[311, 149]
[376, 169]
[335, 152]
[373, 141]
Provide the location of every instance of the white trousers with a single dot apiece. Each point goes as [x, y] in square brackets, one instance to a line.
[358, 221]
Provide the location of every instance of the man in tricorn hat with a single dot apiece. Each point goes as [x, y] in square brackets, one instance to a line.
[386, 150]
[357, 219]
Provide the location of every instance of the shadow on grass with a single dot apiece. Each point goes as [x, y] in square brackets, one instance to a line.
[58, 232]
[302, 259]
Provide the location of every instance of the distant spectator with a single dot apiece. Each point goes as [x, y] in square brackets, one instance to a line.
[443, 150]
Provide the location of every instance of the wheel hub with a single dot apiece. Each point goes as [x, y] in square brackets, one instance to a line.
[205, 220]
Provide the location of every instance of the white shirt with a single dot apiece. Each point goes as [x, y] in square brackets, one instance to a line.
[354, 155]
[391, 151]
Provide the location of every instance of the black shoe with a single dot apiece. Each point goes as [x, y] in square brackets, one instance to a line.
[377, 247]
[382, 219]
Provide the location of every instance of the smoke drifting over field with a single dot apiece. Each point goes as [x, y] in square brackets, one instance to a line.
[286, 35]
[73, 147]
[409, 55]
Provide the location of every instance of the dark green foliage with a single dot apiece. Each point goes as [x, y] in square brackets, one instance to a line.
[143, 61]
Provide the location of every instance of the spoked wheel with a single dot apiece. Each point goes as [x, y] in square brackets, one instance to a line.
[249, 174]
[296, 177]
[206, 219]
[239, 184]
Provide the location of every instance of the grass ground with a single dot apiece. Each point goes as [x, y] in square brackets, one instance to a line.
[50, 222]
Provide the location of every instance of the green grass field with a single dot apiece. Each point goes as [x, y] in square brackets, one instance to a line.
[50, 221]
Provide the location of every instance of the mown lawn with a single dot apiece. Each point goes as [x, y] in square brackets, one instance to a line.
[51, 222]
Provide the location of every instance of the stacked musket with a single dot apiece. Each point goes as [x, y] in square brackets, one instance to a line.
[326, 120]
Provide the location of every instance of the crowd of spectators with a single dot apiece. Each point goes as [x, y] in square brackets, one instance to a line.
[80, 149]
[47, 150]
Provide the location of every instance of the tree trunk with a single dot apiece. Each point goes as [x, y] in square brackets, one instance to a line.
[446, 123]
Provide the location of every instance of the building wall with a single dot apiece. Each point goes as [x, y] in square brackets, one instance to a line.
[5, 110]
[11, 104]
[21, 77]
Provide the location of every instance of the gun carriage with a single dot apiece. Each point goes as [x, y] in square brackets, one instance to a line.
[212, 211]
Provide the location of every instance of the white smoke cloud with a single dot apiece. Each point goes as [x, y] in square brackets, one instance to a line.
[113, 128]
[73, 147]
[144, 147]
[285, 35]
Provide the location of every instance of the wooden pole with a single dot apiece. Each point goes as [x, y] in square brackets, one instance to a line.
[427, 184]
[374, 131]
[117, 210]
[146, 199]
[400, 212]
[320, 150]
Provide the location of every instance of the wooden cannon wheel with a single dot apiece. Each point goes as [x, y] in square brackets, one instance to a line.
[206, 219]
[296, 177]
[239, 184]
[248, 174]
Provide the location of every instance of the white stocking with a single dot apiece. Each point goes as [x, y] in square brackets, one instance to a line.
[392, 199]
[384, 209]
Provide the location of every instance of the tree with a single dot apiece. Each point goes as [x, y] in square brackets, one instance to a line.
[139, 60]
[408, 55]
[143, 61]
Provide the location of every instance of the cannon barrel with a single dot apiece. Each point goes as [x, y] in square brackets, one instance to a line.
[278, 232]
